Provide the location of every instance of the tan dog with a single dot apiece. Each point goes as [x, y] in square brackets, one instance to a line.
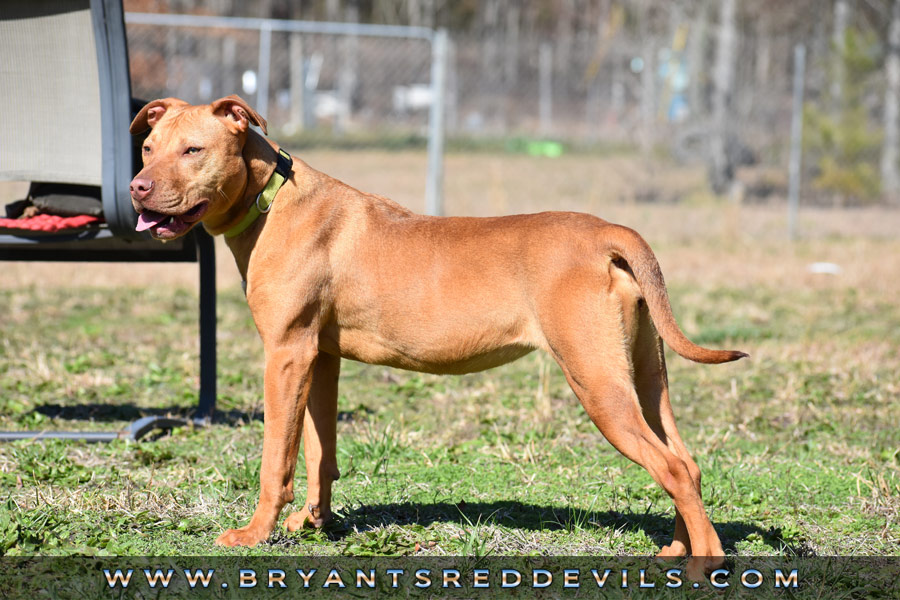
[335, 273]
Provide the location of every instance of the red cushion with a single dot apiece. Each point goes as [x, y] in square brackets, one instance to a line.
[49, 223]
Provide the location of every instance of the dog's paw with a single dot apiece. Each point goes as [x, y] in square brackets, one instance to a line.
[675, 550]
[699, 567]
[304, 519]
[241, 537]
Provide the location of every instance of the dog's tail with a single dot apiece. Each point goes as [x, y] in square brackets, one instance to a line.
[627, 244]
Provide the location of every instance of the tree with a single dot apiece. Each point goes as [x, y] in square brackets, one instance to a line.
[842, 146]
[838, 41]
[890, 178]
[723, 80]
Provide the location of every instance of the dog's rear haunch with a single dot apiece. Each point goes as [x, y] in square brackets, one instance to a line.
[332, 272]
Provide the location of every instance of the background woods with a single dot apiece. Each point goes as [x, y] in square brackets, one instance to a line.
[701, 80]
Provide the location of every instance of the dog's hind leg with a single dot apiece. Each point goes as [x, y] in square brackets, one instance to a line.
[593, 348]
[651, 384]
[319, 445]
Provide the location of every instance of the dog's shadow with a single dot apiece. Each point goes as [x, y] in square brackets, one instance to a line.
[110, 413]
[113, 412]
[657, 526]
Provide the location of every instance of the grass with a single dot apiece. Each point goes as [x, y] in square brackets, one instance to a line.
[797, 458]
[798, 446]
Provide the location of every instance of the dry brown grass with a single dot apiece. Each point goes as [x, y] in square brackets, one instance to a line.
[699, 241]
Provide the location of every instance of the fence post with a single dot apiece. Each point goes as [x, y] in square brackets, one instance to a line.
[796, 139]
[434, 187]
[265, 63]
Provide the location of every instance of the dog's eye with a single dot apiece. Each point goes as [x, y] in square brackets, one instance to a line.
[192, 150]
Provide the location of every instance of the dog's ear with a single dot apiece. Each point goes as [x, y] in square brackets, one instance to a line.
[152, 113]
[237, 113]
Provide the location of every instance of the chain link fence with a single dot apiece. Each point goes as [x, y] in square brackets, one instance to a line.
[670, 93]
[706, 83]
[317, 87]
[344, 85]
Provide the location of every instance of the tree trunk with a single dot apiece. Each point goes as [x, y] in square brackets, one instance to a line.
[562, 45]
[838, 42]
[229, 67]
[414, 12]
[545, 77]
[723, 80]
[332, 10]
[420, 13]
[451, 124]
[264, 9]
[695, 54]
[347, 77]
[648, 77]
[890, 178]
[763, 51]
[511, 59]
[492, 67]
[297, 82]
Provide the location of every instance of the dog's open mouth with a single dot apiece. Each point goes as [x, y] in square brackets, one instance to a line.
[170, 226]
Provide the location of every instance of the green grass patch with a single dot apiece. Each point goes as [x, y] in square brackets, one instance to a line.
[798, 446]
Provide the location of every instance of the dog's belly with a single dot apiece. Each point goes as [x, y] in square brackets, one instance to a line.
[441, 356]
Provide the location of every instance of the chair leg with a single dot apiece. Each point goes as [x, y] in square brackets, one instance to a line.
[207, 259]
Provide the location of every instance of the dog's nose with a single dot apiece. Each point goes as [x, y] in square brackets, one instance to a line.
[141, 188]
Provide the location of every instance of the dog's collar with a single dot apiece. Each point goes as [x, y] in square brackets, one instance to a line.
[266, 197]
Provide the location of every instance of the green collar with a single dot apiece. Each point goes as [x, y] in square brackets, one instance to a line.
[266, 197]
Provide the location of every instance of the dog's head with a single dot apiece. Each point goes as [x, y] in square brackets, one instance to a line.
[194, 168]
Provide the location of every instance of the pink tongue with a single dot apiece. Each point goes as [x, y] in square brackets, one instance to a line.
[148, 219]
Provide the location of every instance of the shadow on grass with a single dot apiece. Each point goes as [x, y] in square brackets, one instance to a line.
[112, 412]
[109, 413]
[658, 526]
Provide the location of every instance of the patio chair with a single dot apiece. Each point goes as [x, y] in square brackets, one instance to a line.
[66, 97]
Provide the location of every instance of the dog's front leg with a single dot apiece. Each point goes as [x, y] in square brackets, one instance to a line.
[319, 445]
[287, 384]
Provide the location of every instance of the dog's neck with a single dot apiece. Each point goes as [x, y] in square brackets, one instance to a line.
[260, 156]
